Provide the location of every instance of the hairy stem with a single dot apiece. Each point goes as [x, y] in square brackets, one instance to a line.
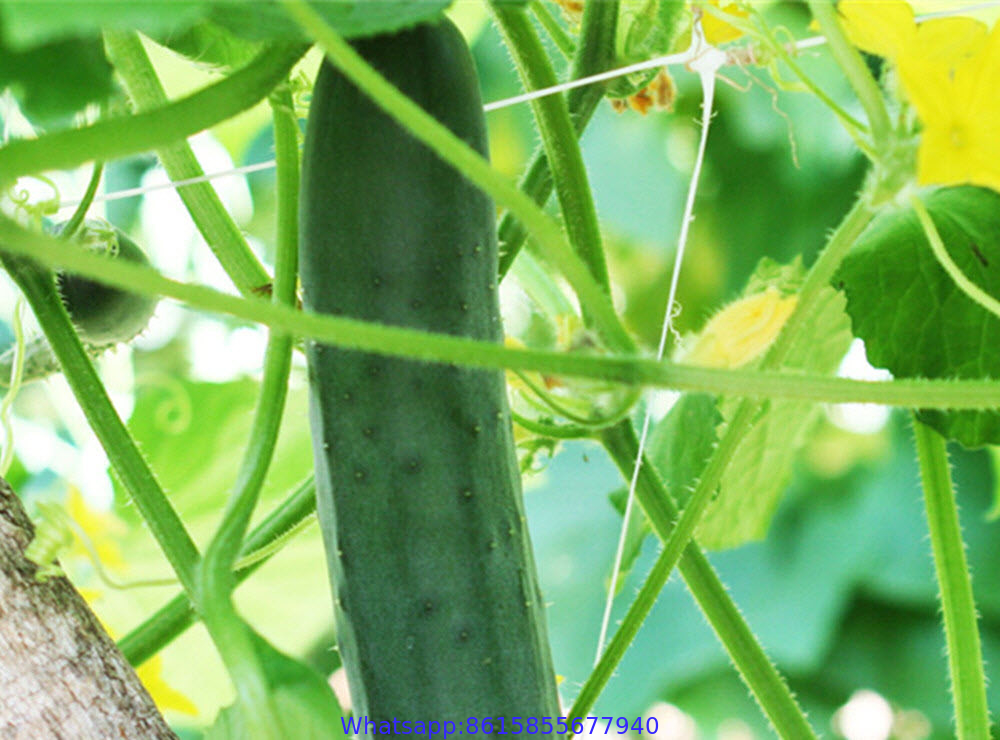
[173, 618]
[230, 633]
[221, 233]
[562, 150]
[965, 657]
[856, 71]
[594, 54]
[38, 286]
[413, 344]
[755, 668]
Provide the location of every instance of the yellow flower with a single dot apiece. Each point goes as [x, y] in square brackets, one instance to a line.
[741, 332]
[150, 673]
[950, 71]
[885, 28]
[100, 528]
[718, 31]
[164, 695]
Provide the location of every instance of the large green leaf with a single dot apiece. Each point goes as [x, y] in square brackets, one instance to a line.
[193, 435]
[51, 53]
[916, 322]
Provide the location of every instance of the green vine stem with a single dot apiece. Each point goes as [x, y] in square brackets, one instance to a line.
[737, 428]
[460, 155]
[223, 236]
[856, 71]
[88, 198]
[594, 54]
[399, 342]
[119, 137]
[232, 636]
[965, 658]
[39, 288]
[562, 150]
[756, 669]
[553, 28]
[174, 617]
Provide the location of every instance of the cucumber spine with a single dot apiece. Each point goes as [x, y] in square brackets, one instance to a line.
[438, 610]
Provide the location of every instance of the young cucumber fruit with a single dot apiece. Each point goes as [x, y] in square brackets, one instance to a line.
[103, 316]
[438, 610]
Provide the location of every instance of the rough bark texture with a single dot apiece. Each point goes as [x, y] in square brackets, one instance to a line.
[61, 676]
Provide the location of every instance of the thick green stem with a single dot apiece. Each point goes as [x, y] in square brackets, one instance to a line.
[119, 137]
[562, 150]
[230, 633]
[221, 233]
[399, 342]
[965, 657]
[473, 166]
[178, 614]
[595, 54]
[756, 669]
[857, 72]
[38, 286]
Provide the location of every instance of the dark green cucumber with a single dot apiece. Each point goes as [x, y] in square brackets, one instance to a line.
[438, 609]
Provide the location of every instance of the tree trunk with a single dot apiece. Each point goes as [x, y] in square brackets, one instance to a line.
[61, 676]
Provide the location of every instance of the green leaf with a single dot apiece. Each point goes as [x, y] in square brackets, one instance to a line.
[303, 701]
[683, 441]
[54, 80]
[193, 435]
[915, 321]
[25, 23]
[209, 43]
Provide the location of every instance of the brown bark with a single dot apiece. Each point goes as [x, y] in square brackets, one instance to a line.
[61, 675]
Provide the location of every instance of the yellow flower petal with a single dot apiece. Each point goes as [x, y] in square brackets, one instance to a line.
[165, 696]
[950, 41]
[100, 527]
[883, 27]
[742, 331]
[716, 30]
[954, 89]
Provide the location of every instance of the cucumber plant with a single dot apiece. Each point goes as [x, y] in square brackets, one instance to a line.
[437, 604]
[439, 614]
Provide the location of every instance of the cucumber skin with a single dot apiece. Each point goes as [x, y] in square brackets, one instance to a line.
[438, 610]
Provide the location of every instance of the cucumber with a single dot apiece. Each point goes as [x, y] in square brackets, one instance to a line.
[438, 610]
[103, 316]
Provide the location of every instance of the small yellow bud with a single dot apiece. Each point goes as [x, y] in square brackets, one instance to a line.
[739, 333]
